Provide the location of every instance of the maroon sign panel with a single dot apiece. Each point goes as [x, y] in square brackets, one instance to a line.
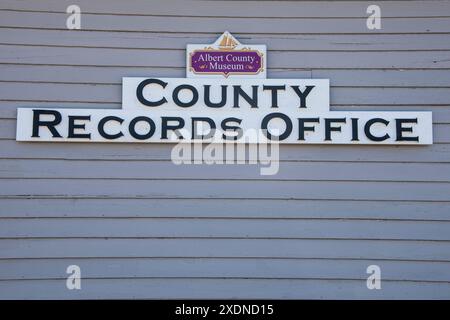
[226, 57]
[226, 62]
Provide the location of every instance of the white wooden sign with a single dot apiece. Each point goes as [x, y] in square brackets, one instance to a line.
[224, 107]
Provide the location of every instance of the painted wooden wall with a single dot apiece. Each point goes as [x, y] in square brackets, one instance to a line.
[141, 227]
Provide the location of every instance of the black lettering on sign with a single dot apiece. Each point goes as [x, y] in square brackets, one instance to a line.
[207, 98]
[370, 135]
[209, 121]
[400, 129]
[73, 126]
[227, 128]
[180, 103]
[302, 128]
[329, 128]
[238, 92]
[132, 128]
[355, 129]
[302, 94]
[37, 122]
[165, 126]
[101, 128]
[140, 93]
[274, 90]
[279, 115]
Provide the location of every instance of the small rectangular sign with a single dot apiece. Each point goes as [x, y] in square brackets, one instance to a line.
[225, 58]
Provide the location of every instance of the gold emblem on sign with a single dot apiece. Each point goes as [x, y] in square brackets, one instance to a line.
[228, 42]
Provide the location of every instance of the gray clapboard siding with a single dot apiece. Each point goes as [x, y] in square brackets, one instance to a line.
[222, 228]
[121, 211]
[15, 269]
[248, 189]
[175, 58]
[8, 108]
[382, 78]
[174, 41]
[264, 248]
[286, 9]
[85, 169]
[133, 23]
[70, 207]
[191, 288]
[435, 153]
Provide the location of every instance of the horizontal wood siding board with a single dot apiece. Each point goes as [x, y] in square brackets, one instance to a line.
[222, 228]
[284, 9]
[238, 248]
[176, 58]
[234, 288]
[85, 169]
[331, 190]
[208, 25]
[174, 41]
[216, 8]
[10, 149]
[15, 269]
[224, 208]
